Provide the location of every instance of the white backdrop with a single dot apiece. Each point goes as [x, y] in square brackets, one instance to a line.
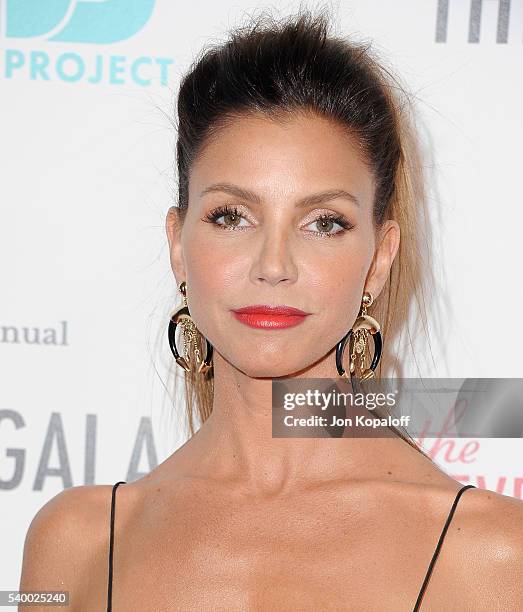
[88, 174]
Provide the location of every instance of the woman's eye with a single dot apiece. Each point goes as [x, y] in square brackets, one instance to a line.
[325, 224]
[231, 217]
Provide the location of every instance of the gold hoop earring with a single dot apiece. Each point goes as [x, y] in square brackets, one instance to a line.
[190, 337]
[363, 325]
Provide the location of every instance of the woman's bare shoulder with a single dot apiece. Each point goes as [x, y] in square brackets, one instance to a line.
[481, 557]
[486, 546]
[495, 521]
[64, 536]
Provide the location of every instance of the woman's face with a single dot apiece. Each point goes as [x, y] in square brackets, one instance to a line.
[278, 251]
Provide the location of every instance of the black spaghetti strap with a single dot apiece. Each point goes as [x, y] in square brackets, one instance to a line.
[438, 547]
[111, 546]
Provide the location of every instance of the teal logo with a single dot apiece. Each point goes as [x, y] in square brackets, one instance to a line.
[76, 21]
[95, 22]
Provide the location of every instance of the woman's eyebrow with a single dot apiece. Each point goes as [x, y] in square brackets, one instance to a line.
[245, 194]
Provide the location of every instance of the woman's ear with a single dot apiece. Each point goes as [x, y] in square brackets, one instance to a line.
[383, 257]
[173, 228]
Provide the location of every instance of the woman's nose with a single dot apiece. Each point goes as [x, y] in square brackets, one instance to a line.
[273, 259]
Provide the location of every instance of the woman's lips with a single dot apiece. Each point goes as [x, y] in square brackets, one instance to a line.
[266, 317]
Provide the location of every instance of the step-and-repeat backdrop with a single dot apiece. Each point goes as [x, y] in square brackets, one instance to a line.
[87, 175]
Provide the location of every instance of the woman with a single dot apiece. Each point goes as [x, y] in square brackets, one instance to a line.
[297, 188]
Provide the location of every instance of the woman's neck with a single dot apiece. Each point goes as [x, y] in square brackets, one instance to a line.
[236, 442]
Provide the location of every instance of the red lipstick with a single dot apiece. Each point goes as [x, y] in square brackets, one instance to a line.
[270, 317]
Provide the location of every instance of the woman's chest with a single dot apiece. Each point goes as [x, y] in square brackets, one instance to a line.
[287, 560]
[274, 579]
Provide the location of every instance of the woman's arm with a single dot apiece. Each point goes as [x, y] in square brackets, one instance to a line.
[62, 542]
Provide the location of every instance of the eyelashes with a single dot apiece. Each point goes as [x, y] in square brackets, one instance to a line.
[233, 213]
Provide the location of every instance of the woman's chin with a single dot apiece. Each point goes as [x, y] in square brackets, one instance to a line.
[278, 371]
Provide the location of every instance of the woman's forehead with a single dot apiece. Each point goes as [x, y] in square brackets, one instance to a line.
[301, 154]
